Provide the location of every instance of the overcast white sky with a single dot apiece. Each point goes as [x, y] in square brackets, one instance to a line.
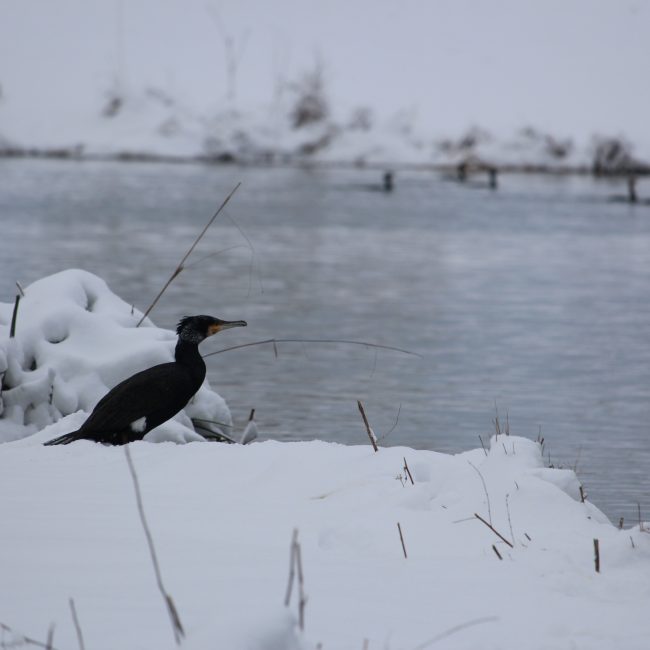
[573, 66]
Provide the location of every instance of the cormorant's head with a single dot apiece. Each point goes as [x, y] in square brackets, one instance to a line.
[195, 329]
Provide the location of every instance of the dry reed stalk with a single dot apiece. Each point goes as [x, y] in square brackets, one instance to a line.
[369, 431]
[408, 471]
[275, 342]
[494, 548]
[50, 638]
[597, 555]
[174, 618]
[292, 564]
[399, 410]
[77, 626]
[14, 317]
[512, 535]
[496, 532]
[22, 639]
[456, 628]
[295, 569]
[180, 266]
[487, 495]
[302, 598]
[401, 539]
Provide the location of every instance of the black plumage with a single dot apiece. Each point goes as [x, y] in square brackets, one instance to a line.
[149, 398]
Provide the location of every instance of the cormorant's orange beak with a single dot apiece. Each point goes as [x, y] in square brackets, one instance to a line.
[225, 325]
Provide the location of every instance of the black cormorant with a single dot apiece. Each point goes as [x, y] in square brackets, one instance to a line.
[151, 397]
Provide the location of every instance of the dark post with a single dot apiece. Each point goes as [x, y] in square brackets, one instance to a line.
[631, 188]
[461, 172]
[492, 173]
[388, 182]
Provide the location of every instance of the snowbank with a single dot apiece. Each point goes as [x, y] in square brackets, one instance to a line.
[75, 340]
[222, 517]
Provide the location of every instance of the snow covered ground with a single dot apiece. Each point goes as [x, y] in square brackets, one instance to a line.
[222, 518]
[539, 84]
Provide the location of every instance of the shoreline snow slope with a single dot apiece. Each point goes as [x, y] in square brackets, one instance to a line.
[222, 518]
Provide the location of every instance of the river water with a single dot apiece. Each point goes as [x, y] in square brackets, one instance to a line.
[532, 299]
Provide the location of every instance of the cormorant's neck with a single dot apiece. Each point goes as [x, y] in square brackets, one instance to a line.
[187, 353]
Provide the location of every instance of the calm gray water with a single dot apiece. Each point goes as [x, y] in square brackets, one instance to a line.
[534, 298]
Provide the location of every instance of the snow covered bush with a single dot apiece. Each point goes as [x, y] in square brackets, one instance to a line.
[611, 156]
[74, 341]
[311, 101]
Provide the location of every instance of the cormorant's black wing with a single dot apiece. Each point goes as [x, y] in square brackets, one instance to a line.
[157, 394]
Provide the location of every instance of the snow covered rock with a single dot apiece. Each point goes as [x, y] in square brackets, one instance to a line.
[74, 341]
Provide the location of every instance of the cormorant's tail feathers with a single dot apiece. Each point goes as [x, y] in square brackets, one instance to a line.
[65, 439]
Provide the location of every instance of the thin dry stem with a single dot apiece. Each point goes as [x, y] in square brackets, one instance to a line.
[180, 266]
[399, 410]
[177, 627]
[496, 532]
[275, 342]
[494, 548]
[295, 569]
[14, 317]
[292, 570]
[77, 626]
[26, 640]
[456, 628]
[597, 555]
[408, 471]
[302, 598]
[371, 435]
[401, 539]
[487, 496]
[512, 535]
[50, 637]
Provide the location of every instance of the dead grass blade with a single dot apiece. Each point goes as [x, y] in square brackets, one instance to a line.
[179, 632]
[274, 342]
[369, 431]
[180, 266]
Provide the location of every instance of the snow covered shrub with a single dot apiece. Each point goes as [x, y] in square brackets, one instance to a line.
[311, 103]
[113, 105]
[466, 143]
[74, 341]
[361, 119]
[612, 155]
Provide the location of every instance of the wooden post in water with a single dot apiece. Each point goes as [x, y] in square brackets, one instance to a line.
[492, 175]
[631, 188]
[388, 181]
[461, 172]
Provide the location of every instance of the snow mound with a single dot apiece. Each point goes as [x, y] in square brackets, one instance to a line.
[74, 340]
[223, 516]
